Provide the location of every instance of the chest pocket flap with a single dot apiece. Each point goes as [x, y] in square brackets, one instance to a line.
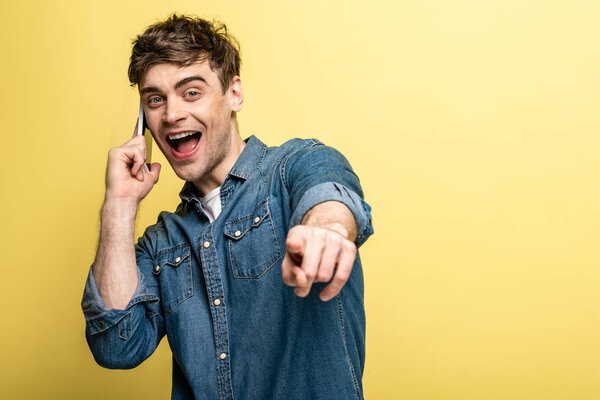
[253, 245]
[174, 271]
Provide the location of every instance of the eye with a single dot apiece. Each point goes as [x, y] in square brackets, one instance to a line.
[192, 93]
[154, 100]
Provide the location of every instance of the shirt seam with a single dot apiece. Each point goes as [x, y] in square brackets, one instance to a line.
[310, 143]
[352, 372]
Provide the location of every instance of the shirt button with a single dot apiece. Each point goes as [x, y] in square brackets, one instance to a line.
[178, 259]
[101, 325]
[222, 356]
[256, 220]
[157, 268]
[217, 302]
[237, 233]
[207, 244]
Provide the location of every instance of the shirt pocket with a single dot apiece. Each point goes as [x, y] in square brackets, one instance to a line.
[252, 243]
[173, 269]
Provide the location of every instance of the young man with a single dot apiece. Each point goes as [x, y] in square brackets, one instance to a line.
[211, 275]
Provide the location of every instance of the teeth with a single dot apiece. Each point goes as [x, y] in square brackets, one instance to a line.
[181, 135]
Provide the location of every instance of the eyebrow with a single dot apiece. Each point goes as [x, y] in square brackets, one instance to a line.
[179, 84]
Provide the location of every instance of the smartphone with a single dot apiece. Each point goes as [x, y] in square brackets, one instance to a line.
[142, 128]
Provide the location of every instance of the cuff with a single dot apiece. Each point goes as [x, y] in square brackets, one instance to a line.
[99, 318]
[332, 191]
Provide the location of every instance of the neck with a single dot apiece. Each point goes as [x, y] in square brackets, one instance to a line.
[215, 178]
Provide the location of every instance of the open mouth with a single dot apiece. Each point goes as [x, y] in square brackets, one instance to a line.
[184, 143]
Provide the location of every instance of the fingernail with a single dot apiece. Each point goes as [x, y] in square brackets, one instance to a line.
[140, 175]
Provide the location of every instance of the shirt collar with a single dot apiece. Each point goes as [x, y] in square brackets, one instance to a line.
[246, 163]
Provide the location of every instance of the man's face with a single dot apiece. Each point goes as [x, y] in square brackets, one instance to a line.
[191, 119]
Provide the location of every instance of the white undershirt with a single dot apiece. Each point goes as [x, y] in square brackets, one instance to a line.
[211, 204]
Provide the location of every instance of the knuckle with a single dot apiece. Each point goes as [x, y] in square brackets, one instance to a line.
[323, 276]
[349, 246]
[341, 276]
[330, 236]
[337, 240]
[289, 239]
[310, 275]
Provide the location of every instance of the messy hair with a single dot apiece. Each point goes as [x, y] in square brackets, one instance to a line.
[184, 40]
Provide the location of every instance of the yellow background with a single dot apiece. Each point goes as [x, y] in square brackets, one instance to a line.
[472, 124]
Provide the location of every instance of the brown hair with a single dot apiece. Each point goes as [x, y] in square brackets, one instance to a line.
[184, 40]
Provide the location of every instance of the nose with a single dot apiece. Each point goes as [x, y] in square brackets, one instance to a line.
[174, 112]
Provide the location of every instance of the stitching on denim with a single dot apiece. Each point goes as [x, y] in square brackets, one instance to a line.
[267, 177]
[278, 248]
[151, 316]
[191, 291]
[307, 144]
[150, 298]
[227, 229]
[187, 257]
[341, 314]
[259, 161]
[219, 377]
[228, 388]
[251, 215]
[169, 263]
[127, 326]
[209, 287]
[282, 172]
[163, 251]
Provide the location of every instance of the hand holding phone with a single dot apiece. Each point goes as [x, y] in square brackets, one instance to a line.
[127, 174]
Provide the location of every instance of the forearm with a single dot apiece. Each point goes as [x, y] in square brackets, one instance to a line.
[115, 268]
[334, 216]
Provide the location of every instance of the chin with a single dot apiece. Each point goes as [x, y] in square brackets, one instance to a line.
[190, 172]
[187, 176]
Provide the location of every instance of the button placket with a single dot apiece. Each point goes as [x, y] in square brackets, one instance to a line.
[215, 296]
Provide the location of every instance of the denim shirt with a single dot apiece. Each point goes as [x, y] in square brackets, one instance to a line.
[215, 289]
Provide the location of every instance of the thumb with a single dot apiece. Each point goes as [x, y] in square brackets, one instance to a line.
[155, 171]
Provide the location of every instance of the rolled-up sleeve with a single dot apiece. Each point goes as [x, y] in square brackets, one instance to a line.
[318, 173]
[124, 338]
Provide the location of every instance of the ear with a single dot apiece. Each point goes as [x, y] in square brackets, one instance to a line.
[236, 94]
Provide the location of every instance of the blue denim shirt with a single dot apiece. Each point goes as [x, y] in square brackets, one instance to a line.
[215, 289]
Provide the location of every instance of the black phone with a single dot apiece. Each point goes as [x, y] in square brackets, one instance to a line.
[142, 127]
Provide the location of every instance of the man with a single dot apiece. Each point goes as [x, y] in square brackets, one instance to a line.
[211, 275]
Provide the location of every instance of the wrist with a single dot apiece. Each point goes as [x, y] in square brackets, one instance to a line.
[119, 208]
[332, 216]
[338, 228]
